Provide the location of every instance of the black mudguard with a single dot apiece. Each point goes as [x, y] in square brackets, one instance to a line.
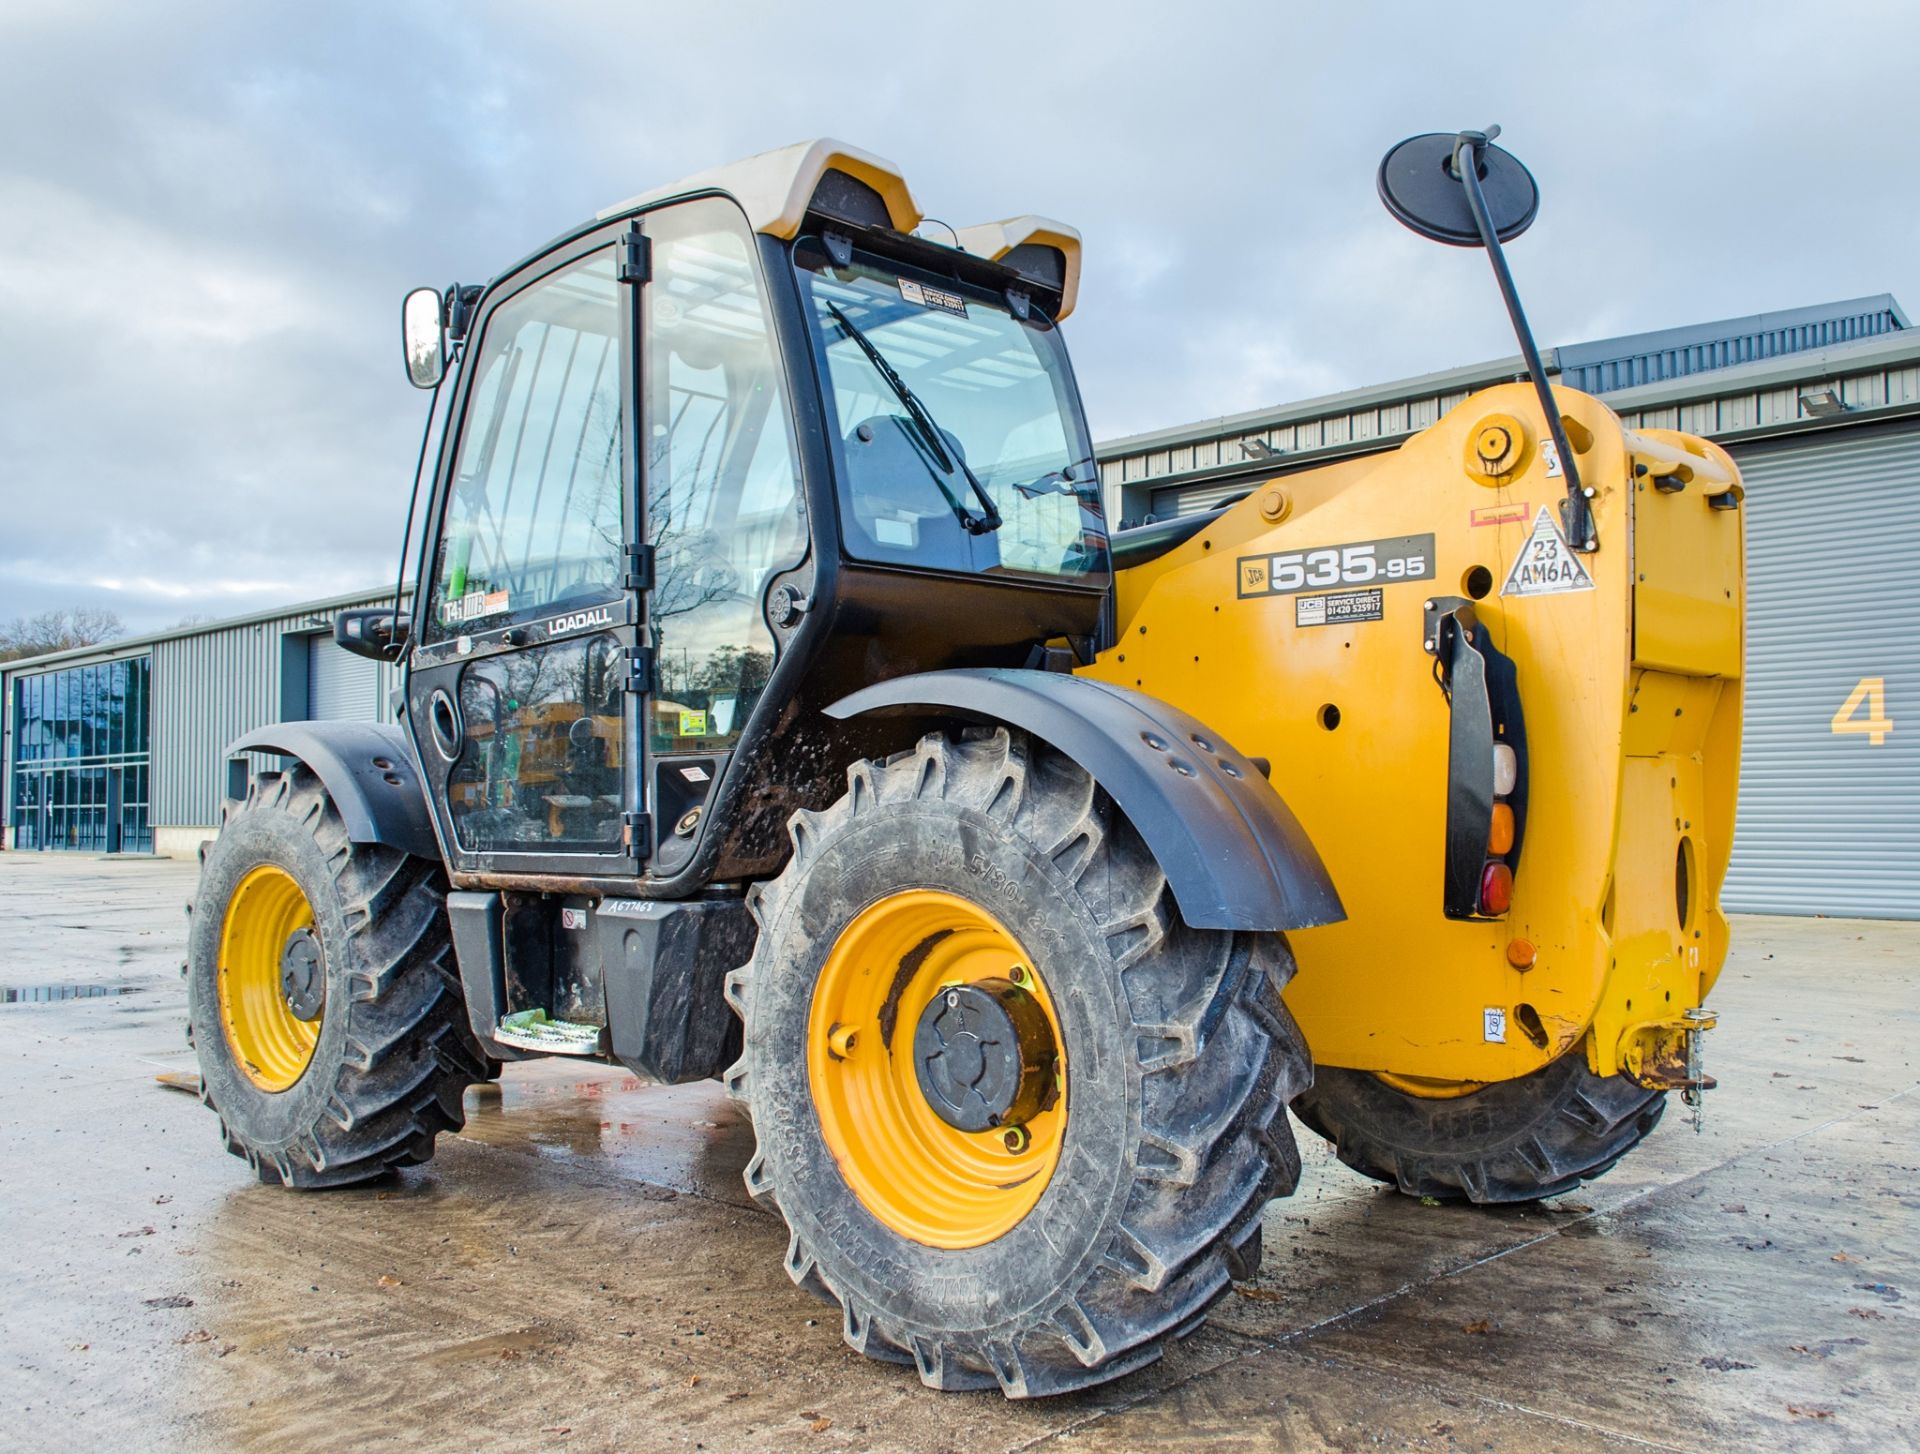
[369, 772]
[1233, 852]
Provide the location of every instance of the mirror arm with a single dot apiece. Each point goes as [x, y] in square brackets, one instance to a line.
[1576, 514]
[413, 505]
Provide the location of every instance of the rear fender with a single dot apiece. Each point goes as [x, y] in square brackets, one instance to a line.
[1233, 852]
[368, 771]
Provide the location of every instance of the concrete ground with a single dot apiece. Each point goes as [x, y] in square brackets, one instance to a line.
[582, 1269]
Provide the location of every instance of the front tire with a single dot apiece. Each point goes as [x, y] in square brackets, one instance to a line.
[1513, 1141]
[323, 1002]
[1125, 1215]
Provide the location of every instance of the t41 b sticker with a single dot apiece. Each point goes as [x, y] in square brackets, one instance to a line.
[1545, 565]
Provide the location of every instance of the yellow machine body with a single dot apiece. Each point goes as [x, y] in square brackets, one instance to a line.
[1630, 692]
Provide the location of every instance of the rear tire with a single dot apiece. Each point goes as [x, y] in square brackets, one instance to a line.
[393, 1051]
[1514, 1141]
[1179, 1056]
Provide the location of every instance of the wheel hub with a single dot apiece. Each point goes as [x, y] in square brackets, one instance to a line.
[271, 978]
[984, 1055]
[303, 980]
[905, 1084]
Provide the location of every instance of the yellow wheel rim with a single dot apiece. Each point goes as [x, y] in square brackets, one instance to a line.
[269, 1042]
[1429, 1090]
[918, 1175]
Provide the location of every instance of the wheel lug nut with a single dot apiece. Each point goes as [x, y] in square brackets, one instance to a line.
[953, 1000]
[1015, 1138]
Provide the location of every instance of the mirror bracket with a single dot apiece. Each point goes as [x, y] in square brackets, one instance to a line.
[1417, 182]
[377, 632]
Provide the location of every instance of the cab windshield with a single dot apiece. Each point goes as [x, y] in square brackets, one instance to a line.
[957, 434]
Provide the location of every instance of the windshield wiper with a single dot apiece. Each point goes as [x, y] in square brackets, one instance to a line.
[988, 520]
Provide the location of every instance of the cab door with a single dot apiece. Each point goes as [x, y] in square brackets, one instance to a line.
[725, 516]
[518, 691]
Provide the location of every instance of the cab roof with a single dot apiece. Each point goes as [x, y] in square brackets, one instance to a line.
[777, 188]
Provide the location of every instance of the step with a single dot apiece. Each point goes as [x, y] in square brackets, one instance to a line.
[536, 1030]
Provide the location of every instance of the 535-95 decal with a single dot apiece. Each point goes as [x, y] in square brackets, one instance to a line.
[1364, 562]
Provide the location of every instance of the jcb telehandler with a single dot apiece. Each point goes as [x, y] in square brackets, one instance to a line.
[777, 707]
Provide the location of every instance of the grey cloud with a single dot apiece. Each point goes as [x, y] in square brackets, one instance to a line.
[208, 214]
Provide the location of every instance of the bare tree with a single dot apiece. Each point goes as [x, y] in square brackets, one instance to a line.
[58, 631]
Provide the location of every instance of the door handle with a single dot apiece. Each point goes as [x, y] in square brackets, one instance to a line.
[443, 724]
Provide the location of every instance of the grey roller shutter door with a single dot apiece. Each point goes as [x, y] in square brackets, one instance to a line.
[1177, 500]
[340, 685]
[1829, 821]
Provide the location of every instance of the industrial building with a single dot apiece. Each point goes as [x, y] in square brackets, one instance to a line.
[119, 748]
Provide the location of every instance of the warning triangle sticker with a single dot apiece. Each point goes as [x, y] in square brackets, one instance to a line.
[1545, 565]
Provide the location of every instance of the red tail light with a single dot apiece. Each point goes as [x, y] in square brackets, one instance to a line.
[1496, 889]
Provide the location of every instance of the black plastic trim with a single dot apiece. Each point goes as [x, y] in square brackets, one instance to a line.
[1138, 544]
[478, 949]
[380, 804]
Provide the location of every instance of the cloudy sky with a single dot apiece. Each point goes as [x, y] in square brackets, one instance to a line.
[208, 213]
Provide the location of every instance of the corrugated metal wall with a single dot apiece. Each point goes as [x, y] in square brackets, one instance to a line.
[1829, 821]
[1673, 359]
[1387, 422]
[1876, 388]
[209, 688]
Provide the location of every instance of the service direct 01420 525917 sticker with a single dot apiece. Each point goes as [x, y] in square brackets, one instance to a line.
[1361, 563]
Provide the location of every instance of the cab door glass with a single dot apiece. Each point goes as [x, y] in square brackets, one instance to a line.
[723, 494]
[541, 765]
[535, 528]
[534, 519]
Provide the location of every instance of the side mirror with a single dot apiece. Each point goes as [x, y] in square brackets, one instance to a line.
[423, 331]
[379, 632]
[1420, 183]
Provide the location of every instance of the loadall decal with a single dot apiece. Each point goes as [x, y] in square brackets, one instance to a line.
[1364, 562]
[579, 621]
[1545, 566]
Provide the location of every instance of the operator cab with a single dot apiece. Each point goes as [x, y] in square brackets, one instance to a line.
[730, 452]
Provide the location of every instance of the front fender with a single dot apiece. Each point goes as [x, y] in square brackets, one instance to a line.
[1232, 851]
[369, 772]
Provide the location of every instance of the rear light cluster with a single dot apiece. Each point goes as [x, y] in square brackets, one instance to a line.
[1486, 822]
[1496, 874]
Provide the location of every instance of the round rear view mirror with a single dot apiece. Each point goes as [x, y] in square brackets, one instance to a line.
[423, 332]
[1421, 189]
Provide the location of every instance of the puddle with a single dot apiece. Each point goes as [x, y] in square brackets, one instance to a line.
[42, 994]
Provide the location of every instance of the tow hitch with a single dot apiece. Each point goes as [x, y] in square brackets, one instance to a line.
[1671, 1055]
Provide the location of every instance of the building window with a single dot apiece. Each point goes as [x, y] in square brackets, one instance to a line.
[81, 765]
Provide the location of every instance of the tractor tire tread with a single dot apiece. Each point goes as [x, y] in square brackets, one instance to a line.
[1218, 1053]
[1541, 1135]
[408, 1053]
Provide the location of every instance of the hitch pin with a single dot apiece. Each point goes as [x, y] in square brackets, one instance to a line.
[1699, 1021]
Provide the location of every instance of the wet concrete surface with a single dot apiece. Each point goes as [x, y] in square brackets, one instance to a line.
[581, 1268]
